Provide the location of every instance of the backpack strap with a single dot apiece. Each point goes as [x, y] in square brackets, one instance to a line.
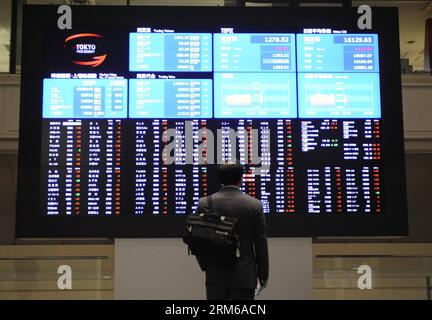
[211, 208]
[210, 203]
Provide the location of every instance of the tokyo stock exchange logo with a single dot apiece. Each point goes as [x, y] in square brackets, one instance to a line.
[86, 49]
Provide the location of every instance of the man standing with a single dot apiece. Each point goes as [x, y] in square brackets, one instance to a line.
[240, 281]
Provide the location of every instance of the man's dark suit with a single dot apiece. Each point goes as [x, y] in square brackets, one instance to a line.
[253, 261]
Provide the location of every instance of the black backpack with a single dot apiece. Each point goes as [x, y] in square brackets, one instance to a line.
[213, 237]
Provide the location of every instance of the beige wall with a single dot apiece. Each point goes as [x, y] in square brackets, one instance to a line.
[290, 270]
[31, 271]
[8, 178]
[419, 186]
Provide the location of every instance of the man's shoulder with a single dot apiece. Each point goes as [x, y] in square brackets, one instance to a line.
[253, 201]
[246, 199]
[202, 200]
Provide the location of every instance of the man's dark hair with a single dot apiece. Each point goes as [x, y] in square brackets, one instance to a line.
[230, 173]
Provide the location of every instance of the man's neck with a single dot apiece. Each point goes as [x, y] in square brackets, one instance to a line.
[231, 186]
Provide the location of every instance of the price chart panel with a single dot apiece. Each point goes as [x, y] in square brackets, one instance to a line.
[254, 76]
[255, 95]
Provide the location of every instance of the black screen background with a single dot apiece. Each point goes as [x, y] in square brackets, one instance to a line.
[40, 28]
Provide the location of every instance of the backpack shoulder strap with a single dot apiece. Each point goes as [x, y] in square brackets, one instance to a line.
[211, 210]
[210, 203]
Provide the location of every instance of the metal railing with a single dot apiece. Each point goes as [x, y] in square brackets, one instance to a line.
[390, 277]
[41, 272]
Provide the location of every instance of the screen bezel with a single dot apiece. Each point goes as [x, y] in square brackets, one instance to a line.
[37, 19]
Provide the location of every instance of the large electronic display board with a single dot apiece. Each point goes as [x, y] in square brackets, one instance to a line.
[125, 117]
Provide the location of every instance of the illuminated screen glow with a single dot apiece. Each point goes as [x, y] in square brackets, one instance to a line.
[123, 124]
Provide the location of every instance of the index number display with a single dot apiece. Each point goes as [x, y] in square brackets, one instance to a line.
[276, 39]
